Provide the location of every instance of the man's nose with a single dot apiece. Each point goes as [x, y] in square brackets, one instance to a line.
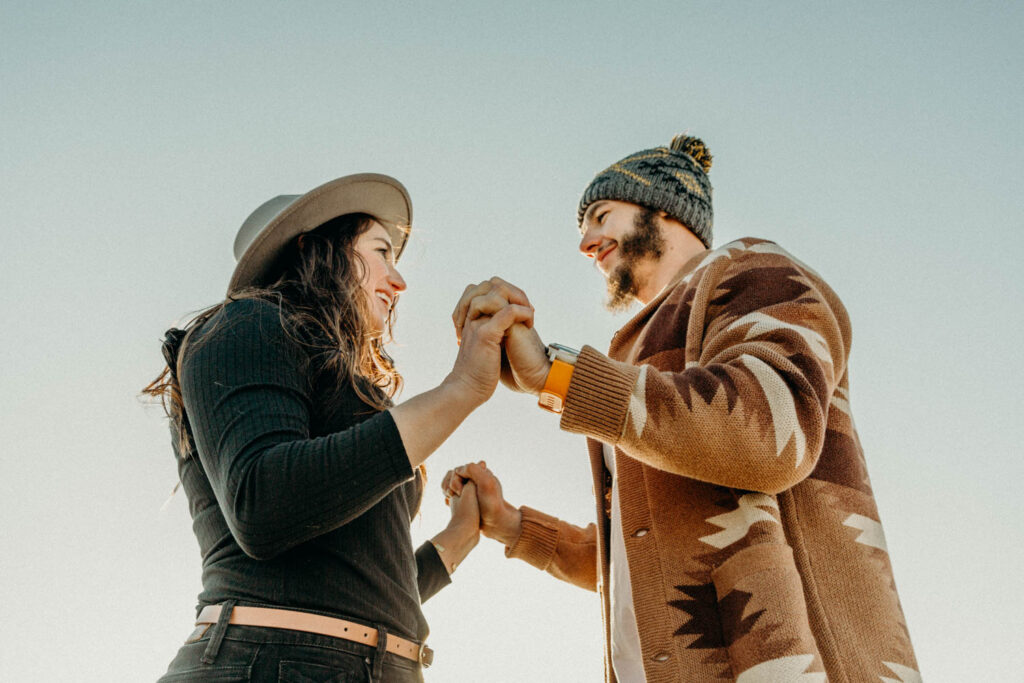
[590, 243]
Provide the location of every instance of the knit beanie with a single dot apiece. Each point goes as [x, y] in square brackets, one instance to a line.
[672, 179]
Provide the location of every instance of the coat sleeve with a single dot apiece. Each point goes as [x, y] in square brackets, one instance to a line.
[247, 397]
[563, 550]
[760, 346]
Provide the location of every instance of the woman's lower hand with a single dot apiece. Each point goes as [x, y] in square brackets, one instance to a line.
[465, 509]
[463, 531]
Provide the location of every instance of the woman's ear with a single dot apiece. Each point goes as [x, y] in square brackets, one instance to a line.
[300, 241]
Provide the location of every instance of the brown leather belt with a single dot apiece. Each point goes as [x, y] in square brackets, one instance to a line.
[316, 623]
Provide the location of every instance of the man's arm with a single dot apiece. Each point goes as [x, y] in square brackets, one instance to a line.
[749, 411]
[564, 550]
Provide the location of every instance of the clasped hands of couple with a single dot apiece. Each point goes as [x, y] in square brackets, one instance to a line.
[497, 341]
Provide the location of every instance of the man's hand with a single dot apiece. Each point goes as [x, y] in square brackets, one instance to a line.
[527, 359]
[524, 358]
[498, 519]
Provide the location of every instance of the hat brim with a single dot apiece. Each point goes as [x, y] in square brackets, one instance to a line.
[375, 194]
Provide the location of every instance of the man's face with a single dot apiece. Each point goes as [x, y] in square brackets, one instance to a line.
[625, 242]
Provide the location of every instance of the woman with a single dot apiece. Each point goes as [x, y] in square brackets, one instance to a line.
[302, 476]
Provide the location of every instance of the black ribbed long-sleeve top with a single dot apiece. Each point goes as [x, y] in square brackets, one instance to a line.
[294, 505]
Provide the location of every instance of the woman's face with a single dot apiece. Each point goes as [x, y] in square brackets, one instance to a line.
[381, 282]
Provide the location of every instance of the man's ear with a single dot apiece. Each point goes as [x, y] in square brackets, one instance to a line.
[665, 218]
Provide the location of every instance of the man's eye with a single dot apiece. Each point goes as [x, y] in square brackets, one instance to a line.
[601, 216]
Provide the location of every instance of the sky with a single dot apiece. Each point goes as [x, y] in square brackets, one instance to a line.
[878, 142]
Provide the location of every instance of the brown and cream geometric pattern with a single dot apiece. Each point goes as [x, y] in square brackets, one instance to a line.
[754, 544]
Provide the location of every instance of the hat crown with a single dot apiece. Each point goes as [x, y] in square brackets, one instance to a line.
[259, 219]
[277, 221]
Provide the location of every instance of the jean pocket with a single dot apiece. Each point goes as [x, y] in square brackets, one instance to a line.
[210, 674]
[233, 665]
[763, 613]
[351, 669]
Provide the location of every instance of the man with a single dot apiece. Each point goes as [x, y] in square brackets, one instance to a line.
[737, 536]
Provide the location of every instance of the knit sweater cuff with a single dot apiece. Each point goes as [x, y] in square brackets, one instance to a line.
[538, 539]
[598, 396]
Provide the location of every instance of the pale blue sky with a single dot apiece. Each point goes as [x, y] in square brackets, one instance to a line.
[880, 144]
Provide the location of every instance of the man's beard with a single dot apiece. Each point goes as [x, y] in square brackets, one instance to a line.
[644, 242]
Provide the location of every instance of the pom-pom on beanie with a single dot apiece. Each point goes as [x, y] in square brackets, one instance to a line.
[672, 179]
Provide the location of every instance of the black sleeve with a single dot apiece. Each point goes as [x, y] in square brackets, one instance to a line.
[245, 391]
[431, 574]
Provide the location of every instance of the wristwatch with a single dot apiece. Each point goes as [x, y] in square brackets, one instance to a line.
[556, 386]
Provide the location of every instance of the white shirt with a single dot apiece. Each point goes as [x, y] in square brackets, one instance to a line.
[627, 660]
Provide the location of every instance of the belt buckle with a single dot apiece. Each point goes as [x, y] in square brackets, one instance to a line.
[426, 656]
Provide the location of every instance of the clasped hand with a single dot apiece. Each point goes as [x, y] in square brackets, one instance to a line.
[524, 362]
[481, 332]
[498, 518]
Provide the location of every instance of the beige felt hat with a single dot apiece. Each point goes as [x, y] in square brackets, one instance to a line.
[277, 221]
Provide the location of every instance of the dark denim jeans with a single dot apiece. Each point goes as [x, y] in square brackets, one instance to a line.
[227, 654]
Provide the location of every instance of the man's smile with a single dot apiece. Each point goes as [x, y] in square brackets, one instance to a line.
[603, 253]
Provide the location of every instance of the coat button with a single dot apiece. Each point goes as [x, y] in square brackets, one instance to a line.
[661, 657]
[640, 533]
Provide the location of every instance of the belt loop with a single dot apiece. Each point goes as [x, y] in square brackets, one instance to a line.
[378, 656]
[217, 634]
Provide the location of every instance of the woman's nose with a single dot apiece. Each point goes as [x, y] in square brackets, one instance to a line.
[396, 280]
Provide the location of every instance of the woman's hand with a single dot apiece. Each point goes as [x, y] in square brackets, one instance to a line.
[525, 364]
[463, 530]
[426, 420]
[485, 299]
[478, 364]
[498, 518]
[465, 509]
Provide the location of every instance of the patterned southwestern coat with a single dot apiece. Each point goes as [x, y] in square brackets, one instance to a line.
[753, 541]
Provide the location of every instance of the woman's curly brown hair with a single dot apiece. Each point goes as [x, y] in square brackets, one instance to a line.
[316, 286]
